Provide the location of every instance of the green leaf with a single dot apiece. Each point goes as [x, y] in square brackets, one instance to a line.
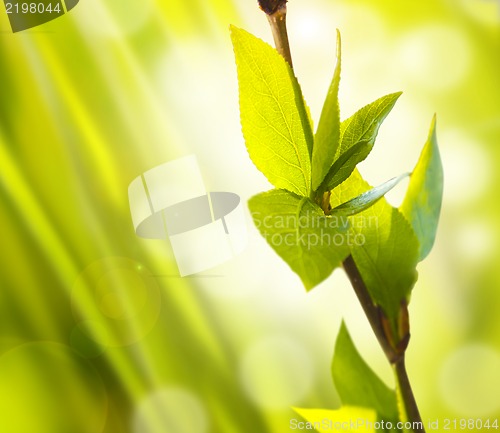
[422, 204]
[327, 139]
[362, 127]
[347, 418]
[367, 199]
[365, 123]
[343, 166]
[383, 246]
[312, 244]
[274, 119]
[357, 384]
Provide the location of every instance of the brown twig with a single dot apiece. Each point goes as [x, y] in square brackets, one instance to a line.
[394, 348]
[372, 312]
[271, 6]
[276, 14]
[407, 396]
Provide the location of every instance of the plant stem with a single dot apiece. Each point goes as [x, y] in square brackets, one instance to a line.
[277, 21]
[394, 350]
[407, 398]
[371, 311]
[395, 354]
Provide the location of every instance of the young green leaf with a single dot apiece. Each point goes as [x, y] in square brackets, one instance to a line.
[367, 199]
[388, 258]
[312, 244]
[274, 119]
[342, 167]
[422, 204]
[385, 248]
[327, 139]
[324, 421]
[365, 123]
[357, 384]
[362, 127]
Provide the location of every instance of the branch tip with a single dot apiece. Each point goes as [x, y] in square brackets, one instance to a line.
[270, 7]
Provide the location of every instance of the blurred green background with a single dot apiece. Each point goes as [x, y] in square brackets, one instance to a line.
[97, 331]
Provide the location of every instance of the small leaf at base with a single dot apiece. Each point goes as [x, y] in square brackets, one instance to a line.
[357, 384]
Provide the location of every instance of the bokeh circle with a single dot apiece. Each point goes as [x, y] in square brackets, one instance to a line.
[171, 410]
[470, 381]
[116, 302]
[45, 387]
[277, 372]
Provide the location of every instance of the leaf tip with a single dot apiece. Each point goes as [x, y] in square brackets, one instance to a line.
[395, 97]
[339, 42]
[342, 337]
[234, 32]
[432, 137]
[434, 121]
[338, 49]
[308, 284]
[343, 327]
